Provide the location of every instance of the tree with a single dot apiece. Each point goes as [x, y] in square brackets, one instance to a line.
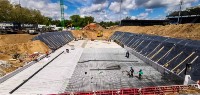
[108, 24]
[128, 18]
[5, 10]
[88, 19]
[76, 19]
[16, 13]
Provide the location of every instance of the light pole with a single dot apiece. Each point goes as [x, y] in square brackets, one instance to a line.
[20, 20]
[179, 14]
[120, 12]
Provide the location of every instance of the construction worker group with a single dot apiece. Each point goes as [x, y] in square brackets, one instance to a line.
[132, 71]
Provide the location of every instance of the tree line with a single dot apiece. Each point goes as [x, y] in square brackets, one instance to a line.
[75, 21]
[16, 13]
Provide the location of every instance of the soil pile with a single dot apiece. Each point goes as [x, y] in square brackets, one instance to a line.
[91, 34]
[15, 38]
[183, 31]
[29, 47]
[19, 45]
[91, 31]
[93, 27]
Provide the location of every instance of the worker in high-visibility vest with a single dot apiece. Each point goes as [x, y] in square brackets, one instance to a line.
[140, 74]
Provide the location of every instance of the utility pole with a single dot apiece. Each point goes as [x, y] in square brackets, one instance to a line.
[20, 16]
[179, 14]
[120, 12]
[62, 13]
[20, 12]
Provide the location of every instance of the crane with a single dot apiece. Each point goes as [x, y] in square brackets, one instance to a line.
[62, 13]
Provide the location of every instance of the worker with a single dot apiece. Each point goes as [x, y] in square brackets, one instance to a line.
[140, 74]
[127, 54]
[47, 54]
[67, 50]
[131, 71]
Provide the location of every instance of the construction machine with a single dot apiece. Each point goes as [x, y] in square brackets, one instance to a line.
[100, 34]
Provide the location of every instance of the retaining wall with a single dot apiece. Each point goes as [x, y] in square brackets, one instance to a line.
[169, 53]
[55, 40]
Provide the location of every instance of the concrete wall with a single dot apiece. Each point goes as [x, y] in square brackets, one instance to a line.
[163, 53]
[165, 72]
[55, 40]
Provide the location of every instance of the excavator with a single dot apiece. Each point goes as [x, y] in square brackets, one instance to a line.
[100, 34]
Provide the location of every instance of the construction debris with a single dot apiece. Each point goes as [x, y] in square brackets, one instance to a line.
[17, 49]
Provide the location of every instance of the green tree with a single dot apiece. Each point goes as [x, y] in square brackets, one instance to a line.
[16, 13]
[76, 20]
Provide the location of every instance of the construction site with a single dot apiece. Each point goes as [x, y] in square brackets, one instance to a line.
[137, 57]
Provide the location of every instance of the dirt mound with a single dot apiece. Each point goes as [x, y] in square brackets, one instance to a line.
[91, 31]
[22, 46]
[15, 38]
[185, 31]
[30, 47]
[19, 43]
[93, 27]
[91, 34]
[77, 33]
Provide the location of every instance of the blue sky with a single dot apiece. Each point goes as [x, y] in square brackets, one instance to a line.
[108, 10]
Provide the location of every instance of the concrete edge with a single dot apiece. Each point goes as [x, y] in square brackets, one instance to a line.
[7, 76]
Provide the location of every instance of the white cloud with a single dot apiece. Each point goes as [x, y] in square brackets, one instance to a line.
[143, 16]
[149, 10]
[171, 8]
[105, 10]
[170, 5]
[93, 8]
[115, 7]
[46, 7]
[133, 17]
[126, 5]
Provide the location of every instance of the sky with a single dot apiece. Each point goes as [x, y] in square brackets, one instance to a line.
[108, 10]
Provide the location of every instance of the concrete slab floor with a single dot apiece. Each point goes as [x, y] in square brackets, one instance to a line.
[67, 72]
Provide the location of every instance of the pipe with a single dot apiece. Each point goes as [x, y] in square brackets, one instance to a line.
[146, 46]
[157, 52]
[133, 44]
[165, 54]
[153, 50]
[139, 44]
[183, 61]
[190, 62]
[167, 64]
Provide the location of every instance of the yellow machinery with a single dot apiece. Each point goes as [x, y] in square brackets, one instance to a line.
[100, 34]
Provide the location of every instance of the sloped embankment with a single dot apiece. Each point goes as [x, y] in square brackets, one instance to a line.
[184, 31]
[20, 45]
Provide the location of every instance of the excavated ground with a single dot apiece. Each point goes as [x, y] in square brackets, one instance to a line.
[18, 44]
[183, 31]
